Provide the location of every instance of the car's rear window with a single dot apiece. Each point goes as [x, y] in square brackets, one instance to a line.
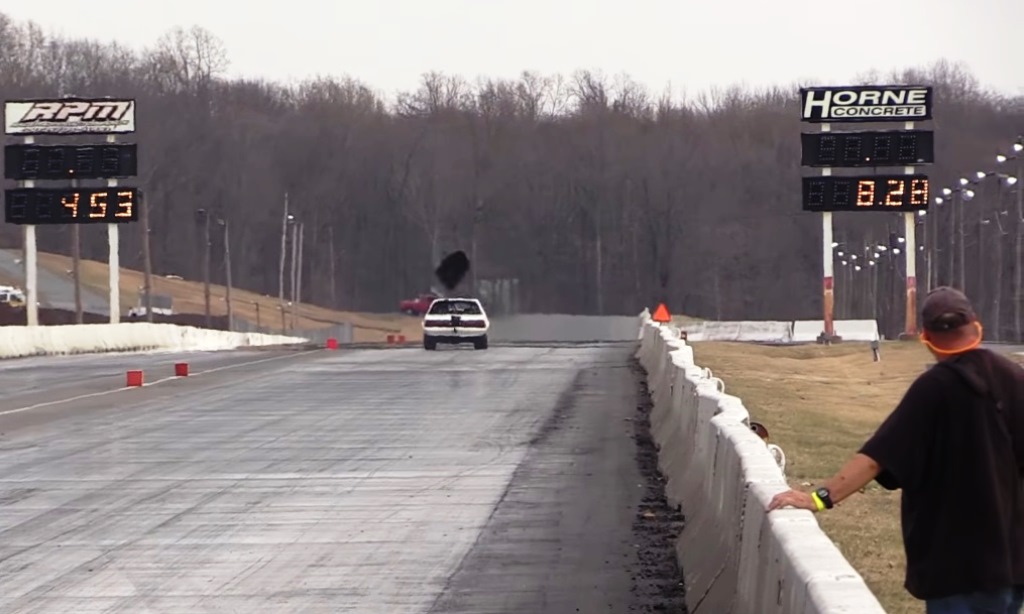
[455, 307]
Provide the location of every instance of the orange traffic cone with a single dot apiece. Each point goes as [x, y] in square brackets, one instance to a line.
[661, 314]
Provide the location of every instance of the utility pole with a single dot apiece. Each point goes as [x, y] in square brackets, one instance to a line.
[284, 254]
[147, 261]
[298, 275]
[950, 278]
[960, 203]
[227, 273]
[295, 264]
[330, 253]
[206, 266]
[1018, 291]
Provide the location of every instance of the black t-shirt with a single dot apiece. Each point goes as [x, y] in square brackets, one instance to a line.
[955, 446]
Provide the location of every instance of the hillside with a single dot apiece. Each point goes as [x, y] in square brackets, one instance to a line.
[253, 308]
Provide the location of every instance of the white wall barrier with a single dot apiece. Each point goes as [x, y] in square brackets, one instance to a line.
[18, 341]
[781, 332]
[735, 557]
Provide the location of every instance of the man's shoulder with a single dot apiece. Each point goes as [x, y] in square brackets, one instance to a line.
[1005, 363]
[936, 373]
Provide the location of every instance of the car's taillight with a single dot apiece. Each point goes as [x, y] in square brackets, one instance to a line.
[472, 324]
[437, 324]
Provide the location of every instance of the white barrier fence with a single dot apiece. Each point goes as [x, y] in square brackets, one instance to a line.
[18, 341]
[799, 331]
[736, 558]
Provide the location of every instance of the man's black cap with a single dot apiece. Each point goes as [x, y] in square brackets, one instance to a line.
[946, 309]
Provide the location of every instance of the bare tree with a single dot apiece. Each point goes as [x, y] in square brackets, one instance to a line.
[598, 196]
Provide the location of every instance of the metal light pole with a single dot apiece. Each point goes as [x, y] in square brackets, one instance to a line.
[960, 196]
[1000, 233]
[227, 273]
[1018, 290]
[203, 218]
[147, 259]
[284, 255]
[295, 264]
[962, 242]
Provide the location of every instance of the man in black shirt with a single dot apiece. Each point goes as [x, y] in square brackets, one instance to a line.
[955, 446]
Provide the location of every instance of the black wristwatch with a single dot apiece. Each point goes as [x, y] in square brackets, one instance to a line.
[825, 496]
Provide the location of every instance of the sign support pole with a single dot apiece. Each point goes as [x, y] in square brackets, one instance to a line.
[114, 258]
[828, 280]
[31, 270]
[113, 240]
[31, 265]
[911, 261]
[910, 230]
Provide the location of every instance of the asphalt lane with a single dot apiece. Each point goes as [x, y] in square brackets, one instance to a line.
[364, 481]
[46, 379]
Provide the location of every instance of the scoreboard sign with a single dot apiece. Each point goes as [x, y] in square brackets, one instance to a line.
[868, 103]
[32, 162]
[907, 193]
[885, 149]
[37, 206]
[29, 162]
[69, 116]
[892, 193]
[860, 149]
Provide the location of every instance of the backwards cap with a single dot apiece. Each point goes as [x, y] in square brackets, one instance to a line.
[946, 309]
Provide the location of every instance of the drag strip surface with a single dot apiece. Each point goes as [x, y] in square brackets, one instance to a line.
[45, 379]
[367, 481]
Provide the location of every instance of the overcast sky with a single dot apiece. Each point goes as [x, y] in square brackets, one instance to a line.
[688, 45]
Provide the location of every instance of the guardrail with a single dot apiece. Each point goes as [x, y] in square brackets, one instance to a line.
[735, 557]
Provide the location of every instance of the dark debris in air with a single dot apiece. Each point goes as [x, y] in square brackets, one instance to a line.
[453, 269]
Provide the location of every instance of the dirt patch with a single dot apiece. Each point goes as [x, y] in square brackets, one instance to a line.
[658, 584]
[189, 304]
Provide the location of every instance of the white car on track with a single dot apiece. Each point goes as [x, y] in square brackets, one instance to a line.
[455, 320]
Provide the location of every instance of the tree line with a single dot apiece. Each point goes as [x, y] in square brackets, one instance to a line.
[597, 195]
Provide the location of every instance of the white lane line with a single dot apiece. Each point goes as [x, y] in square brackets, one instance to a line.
[153, 383]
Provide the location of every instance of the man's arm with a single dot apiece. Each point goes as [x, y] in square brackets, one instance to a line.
[897, 446]
[854, 475]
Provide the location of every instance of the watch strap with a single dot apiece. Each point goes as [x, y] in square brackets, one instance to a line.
[818, 503]
[825, 497]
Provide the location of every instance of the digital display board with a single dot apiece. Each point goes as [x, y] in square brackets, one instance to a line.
[868, 148]
[112, 205]
[32, 162]
[899, 193]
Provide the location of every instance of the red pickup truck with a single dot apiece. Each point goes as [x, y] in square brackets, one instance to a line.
[417, 306]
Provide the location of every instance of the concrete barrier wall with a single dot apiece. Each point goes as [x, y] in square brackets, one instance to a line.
[768, 331]
[763, 332]
[806, 331]
[18, 341]
[736, 558]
